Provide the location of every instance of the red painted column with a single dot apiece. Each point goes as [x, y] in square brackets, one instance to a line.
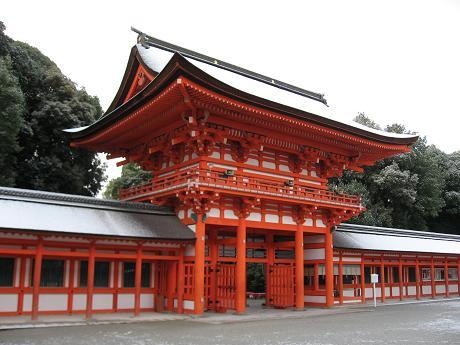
[270, 262]
[446, 275]
[137, 281]
[90, 281]
[180, 280]
[400, 269]
[433, 284]
[71, 285]
[299, 267]
[214, 254]
[240, 294]
[340, 280]
[382, 283]
[417, 279]
[116, 266]
[199, 265]
[36, 282]
[22, 276]
[363, 281]
[329, 265]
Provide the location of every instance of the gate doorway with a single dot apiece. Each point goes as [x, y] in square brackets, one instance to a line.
[281, 292]
[255, 284]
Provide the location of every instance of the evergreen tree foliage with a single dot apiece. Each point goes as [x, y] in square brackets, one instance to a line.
[405, 191]
[131, 175]
[41, 102]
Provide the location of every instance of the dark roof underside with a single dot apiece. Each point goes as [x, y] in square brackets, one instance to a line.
[52, 212]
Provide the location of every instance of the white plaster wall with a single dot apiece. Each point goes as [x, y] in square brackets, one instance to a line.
[215, 154]
[147, 300]
[192, 227]
[453, 288]
[214, 212]
[387, 291]
[319, 223]
[8, 302]
[315, 299]
[268, 165]
[426, 289]
[440, 289]
[348, 292]
[102, 301]
[79, 301]
[126, 301]
[314, 254]
[189, 304]
[283, 167]
[228, 157]
[27, 303]
[52, 302]
[229, 214]
[395, 290]
[272, 218]
[252, 161]
[369, 292]
[412, 290]
[255, 216]
[287, 220]
[308, 222]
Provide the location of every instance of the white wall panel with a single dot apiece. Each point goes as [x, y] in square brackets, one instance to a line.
[8, 302]
[52, 302]
[126, 301]
[102, 301]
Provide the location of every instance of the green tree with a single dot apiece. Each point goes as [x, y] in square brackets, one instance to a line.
[405, 191]
[131, 175]
[51, 103]
[11, 111]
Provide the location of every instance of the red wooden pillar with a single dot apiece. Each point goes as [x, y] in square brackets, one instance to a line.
[240, 294]
[116, 266]
[199, 265]
[37, 278]
[417, 279]
[214, 254]
[180, 280]
[299, 267]
[433, 284]
[138, 281]
[270, 262]
[382, 283]
[446, 275]
[22, 276]
[401, 288]
[71, 285]
[340, 279]
[90, 281]
[329, 265]
[363, 281]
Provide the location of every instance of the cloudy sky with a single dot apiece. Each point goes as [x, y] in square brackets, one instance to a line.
[397, 61]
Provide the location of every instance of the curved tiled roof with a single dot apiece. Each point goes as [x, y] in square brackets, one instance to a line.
[351, 236]
[23, 209]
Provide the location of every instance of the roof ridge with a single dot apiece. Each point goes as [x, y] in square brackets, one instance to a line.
[86, 201]
[149, 41]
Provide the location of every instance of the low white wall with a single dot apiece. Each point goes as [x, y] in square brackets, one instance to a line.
[8, 302]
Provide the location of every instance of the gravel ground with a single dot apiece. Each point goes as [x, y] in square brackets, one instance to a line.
[427, 323]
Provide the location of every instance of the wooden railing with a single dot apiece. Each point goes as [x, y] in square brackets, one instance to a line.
[236, 184]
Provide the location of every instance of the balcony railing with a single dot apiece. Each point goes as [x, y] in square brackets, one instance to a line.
[238, 184]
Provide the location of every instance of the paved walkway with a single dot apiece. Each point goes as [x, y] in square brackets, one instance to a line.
[254, 313]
